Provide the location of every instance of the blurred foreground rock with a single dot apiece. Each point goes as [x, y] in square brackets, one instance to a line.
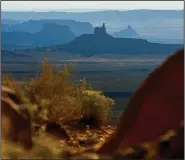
[169, 146]
[57, 130]
[15, 119]
[156, 107]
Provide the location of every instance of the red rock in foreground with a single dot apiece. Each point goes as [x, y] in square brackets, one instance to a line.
[156, 107]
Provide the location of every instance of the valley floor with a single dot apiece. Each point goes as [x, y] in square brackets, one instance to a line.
[116, 78]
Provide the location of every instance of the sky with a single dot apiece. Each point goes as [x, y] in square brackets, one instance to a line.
[89, 5]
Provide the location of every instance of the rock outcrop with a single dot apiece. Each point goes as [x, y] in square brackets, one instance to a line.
[101, 31]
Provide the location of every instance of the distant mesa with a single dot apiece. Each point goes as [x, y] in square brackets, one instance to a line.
[42, 33]
[33, 26]
[50, 34]
[102, 43]
[129, 32]
[100, 30]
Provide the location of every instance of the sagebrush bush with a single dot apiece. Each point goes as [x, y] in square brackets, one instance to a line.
[53, 96]
[58, 99]
[9, 82]
[96, 105]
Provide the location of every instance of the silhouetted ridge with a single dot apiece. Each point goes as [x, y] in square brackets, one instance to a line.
[100, 43]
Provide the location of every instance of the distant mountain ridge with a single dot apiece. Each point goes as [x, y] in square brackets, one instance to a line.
[164, 26]
[102, 43]
[108, 14]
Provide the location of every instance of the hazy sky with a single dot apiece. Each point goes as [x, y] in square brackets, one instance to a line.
[89, 5]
